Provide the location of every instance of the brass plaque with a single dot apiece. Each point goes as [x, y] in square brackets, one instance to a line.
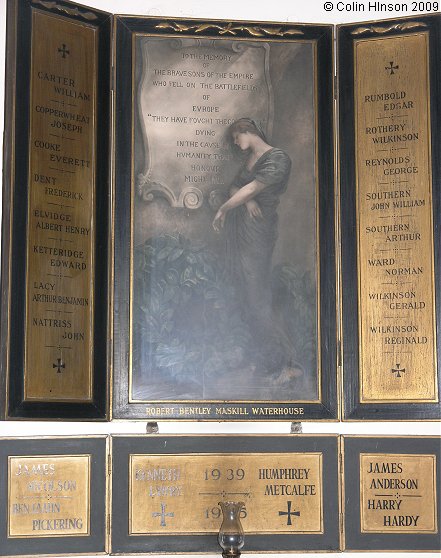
[60, 227]
[398, 493]
[395, 227]
[49, 496]
[179, 494]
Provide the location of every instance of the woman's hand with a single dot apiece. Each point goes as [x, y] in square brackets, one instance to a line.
[219, 220]
[253, 209]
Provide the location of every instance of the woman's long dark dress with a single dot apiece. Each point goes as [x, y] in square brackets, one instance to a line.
[249, 249]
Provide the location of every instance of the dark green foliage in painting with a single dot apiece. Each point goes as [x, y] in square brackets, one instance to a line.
[190, 338]
[294, 301]
[184, 313]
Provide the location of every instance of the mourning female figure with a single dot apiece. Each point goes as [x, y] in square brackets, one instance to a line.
[250, 225]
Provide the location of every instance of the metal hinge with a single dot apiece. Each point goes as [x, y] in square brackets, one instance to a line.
[152, 428]
[296, 427]
[109, 464]
[112, 78]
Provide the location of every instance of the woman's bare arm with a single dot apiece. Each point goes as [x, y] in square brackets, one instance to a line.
[252, 206]
[243, 195]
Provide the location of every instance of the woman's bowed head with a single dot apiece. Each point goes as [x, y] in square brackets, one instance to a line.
[245, 135]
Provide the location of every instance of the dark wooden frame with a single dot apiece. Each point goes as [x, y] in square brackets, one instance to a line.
[353, 409]
[122, 543]
[384, 542]
[96, 541]
[327, 408]
[16, 153]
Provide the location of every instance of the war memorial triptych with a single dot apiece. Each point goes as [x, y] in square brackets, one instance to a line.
[180, 240]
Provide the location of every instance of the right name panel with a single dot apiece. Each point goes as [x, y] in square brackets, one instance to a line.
[389, 180]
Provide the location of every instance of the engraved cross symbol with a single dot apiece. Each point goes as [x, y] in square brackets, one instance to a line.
[60, 364]
[391, 68]
[398, 370]
[63, 50]
[163, 515]
[289, 513]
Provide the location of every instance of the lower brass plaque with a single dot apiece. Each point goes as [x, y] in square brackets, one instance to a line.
[48, 496]
[397, 335]
[179, 494]
[398, 493]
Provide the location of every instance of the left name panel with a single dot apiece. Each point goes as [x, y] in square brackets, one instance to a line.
[57, 195]
[60, 255]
